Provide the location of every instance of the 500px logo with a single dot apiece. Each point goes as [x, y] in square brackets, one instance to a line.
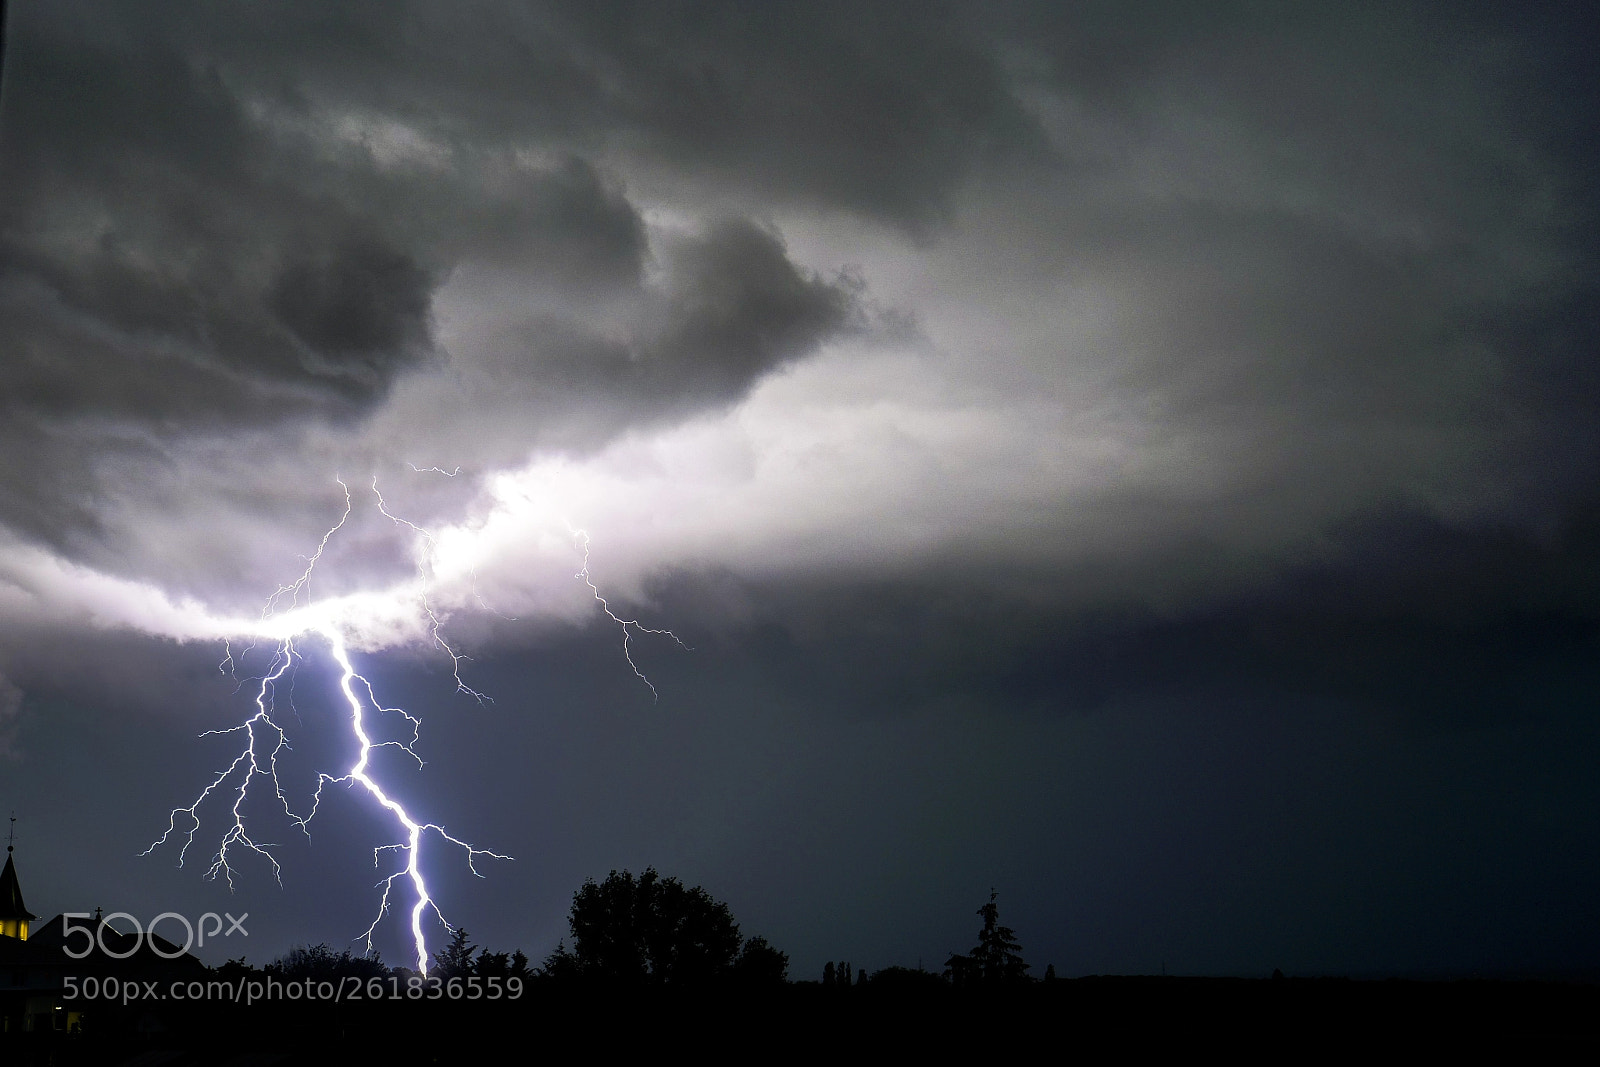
[97, 936]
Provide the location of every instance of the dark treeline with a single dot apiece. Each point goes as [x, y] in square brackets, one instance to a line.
[649, 932]
[652, 965]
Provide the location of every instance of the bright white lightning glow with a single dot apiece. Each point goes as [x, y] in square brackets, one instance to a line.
[265, 739]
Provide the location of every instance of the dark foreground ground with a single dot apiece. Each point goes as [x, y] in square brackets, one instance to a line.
[1099, 1016]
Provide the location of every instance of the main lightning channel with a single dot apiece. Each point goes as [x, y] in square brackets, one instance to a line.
[412, 849]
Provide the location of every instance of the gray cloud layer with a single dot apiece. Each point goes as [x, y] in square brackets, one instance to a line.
[1291, 268]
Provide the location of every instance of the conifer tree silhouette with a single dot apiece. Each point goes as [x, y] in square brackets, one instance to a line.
[997, 958]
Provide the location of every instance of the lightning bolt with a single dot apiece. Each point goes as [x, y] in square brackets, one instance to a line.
[284, 618]
[265, 741]
[628, 626]
[411, 849]
[425, 581]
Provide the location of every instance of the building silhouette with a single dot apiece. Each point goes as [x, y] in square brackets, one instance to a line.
[30, 973]
[35, 960]
[14, 916]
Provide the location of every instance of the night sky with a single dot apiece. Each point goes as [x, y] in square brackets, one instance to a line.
[1143, 458]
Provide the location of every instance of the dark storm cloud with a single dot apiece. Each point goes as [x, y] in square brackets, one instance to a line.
[737, 308]
[152, 252]
[881, 108]
[729, 309]
[358, 302]
[187, 254]
[1433, 626]
[160, 275]
[884, 109]
[10, 706]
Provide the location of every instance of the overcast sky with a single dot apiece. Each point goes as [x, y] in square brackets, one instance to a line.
[1140, 458]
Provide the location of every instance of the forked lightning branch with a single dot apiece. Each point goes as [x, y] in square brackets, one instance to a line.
[295, 625]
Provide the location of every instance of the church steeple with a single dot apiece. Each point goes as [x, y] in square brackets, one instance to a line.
[14, 917]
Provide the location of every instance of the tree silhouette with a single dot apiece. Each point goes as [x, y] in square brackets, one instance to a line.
[455, 959]
[649, 930]
[462, 959]
[501, 965]
[997, 958]
[837, 974]
[321, 962]
[760, 964]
